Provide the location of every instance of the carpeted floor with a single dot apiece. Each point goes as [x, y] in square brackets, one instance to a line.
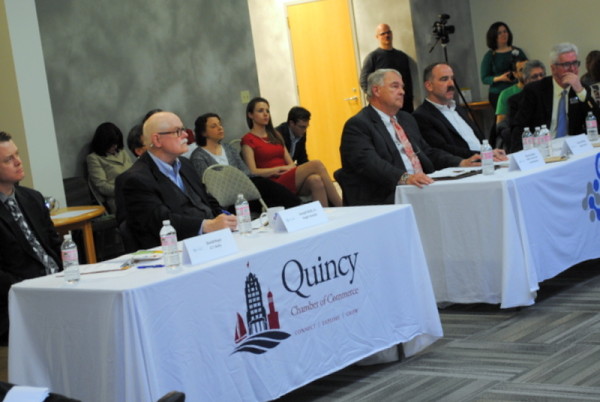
[546, 352]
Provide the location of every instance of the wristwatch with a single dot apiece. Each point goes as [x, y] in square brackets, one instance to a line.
[404, 178]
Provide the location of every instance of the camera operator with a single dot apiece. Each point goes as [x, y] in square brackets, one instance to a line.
[496, 64]
[385, 56]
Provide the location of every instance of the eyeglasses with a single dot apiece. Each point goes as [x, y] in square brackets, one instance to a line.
[385, 33]
[178, 131]
[568, 64]
[536, 76]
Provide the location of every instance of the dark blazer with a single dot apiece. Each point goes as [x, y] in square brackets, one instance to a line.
[535, 109]
[147, 197]
[18, 261]
[440, 133]
[371, 163]
[299, 155]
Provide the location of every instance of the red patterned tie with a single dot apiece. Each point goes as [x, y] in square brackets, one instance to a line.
[414, 159]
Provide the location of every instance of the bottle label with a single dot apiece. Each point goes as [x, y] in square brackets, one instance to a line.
[242, 210]
[69, 255]
[591, 123]
[487, 155]
[168, 240]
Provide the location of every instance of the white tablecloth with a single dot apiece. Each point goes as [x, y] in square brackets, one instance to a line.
[331, 295]
[492, 239]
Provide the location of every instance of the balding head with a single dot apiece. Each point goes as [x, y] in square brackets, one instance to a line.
[163, 134]
[384, 35]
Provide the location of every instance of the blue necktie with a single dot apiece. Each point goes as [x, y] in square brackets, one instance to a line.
[561, 119]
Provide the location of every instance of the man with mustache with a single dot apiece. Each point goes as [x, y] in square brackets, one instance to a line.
[445, 125]
[560, 101]
[160, 186]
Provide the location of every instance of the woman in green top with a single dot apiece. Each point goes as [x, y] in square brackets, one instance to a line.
[496, 64]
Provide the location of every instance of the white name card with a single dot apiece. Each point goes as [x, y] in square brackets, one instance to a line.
[209, 246]
[301, 217]
[526, 160]
[576, 144]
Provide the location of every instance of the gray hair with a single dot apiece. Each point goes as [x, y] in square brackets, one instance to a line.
[561, 48]
[530, 65]
[376, 79]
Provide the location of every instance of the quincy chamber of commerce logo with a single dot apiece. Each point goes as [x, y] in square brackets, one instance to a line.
[591, 201]
[260, 332]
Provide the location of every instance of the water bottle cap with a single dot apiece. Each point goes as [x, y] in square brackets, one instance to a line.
[166, 222]
[67, 236]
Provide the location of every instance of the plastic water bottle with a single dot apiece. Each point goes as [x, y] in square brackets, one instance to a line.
[242, 210]
[546, 147]
[487, 158]
[70, 259]
[168, 241]
[527, 138]
[537, 138]
[591, 126]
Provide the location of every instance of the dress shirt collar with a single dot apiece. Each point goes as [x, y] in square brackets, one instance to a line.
[171, 171]
[451, 105]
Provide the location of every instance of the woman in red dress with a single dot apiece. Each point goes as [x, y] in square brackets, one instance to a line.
[265, 154]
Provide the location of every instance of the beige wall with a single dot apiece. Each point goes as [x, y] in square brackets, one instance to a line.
[538, 24]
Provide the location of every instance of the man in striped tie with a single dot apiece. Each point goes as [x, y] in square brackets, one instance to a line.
[30, 246]
[382, 147]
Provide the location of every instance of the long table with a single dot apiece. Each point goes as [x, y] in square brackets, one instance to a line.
[286, 309]
[492, 239]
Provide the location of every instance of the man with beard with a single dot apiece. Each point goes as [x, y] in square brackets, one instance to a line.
[502, 106]
[161, 186]
[445, 125]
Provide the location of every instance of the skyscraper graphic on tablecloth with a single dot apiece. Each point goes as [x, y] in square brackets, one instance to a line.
[263, 329]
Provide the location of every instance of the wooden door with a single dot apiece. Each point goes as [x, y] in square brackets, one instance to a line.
[326, 73]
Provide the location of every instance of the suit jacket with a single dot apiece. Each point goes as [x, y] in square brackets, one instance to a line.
[536, 109]
[147, 197]
[18, 261]
[371, 163]
[440, 133]
[299, 155]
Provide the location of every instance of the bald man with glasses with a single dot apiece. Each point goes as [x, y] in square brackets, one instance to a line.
[559, 101]
[160, 186]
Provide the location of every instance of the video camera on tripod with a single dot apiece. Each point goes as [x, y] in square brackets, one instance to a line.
[441, 30]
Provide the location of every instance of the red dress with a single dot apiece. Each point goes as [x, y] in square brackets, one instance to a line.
[267, 155]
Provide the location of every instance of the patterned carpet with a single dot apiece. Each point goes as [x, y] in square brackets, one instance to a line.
[546, 352]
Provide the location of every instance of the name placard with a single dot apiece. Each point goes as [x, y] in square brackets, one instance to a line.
[576, 144]
[526, 160]
[301, 217]
[209, 246]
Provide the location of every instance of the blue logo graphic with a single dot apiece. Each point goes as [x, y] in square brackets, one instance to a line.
[591, 200]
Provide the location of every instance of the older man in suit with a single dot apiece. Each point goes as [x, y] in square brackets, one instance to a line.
[160, 186]
[381, 146]
[561, 101]
[30, 245]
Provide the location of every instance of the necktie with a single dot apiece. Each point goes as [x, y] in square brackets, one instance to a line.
[49, 263]
[414, 159]
[561, 116]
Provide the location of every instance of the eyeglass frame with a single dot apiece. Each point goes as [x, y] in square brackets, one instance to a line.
[569, 64]
[178, 131]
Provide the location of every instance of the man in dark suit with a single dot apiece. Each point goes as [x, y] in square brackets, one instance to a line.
[540, 100]
[160, 186]
[385, 56]
[375, 156]
[442, 123]
[22, 206]
[294, 133]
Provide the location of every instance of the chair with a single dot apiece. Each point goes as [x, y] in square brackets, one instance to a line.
[106, 234]
[236, 144]
[225, 182]
[339, 176]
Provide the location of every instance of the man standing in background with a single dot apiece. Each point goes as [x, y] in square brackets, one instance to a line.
[385, 56]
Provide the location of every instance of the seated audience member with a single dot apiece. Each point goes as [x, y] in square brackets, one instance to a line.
[106, 161]
[442, 123]
[135, 138]
[30, 245]
[264, 152]
[560, 102]
[382, 147]
[587, 78]
[211, 151]
[294, 133]
[595, 78]
[160, 186]
[502, 106]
